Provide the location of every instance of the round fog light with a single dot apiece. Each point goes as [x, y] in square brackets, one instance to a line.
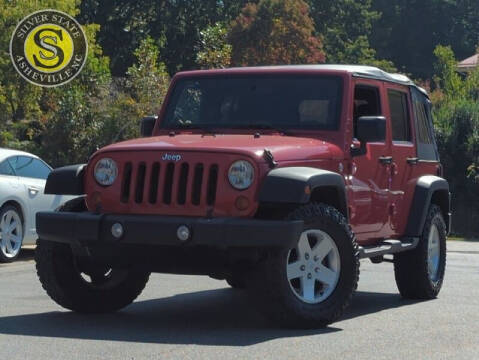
[183, 233]
[117, 230]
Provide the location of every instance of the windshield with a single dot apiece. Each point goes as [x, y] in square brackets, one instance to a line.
[279, 102]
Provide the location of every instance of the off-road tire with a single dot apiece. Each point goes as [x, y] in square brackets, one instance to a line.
[61, 279]
[277, 298]
[411, 267]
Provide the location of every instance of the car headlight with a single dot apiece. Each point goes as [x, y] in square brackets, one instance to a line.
[106, 171]
[241, 174]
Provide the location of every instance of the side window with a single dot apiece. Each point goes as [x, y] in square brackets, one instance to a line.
[399, 115]
[420, 113]
[5, 168]
[40, 169]
[26, 166]
[426, 144]
[366, 103]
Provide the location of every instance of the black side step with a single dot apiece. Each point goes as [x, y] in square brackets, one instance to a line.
[388, 247]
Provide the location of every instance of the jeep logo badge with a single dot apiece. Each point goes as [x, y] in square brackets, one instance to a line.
[171, 157]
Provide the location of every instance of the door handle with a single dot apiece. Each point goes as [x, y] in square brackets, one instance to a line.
[412, 161]
[386, 160]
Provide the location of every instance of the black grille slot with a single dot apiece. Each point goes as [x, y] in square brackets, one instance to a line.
[212, 184]
[125, 186]
[183, 183]
[170, 172]
[170, 183]
[140, 183]
[154, 179]
[197, 182]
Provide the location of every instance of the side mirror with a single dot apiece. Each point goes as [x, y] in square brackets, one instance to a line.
[147, 124]
[369, 129]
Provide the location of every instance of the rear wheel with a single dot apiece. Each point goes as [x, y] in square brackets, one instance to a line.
[11, 233]
[82, 286]
[420, 272]
[311, 284]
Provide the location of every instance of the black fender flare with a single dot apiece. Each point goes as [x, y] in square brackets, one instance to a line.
[67, 180]
[427, 188]
[296, 185]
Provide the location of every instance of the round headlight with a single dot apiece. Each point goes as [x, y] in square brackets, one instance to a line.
[106, 171]
[241, 174]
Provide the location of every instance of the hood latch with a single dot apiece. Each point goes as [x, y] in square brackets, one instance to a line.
[268, 156]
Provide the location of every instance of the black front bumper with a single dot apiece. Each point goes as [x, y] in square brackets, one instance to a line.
[89, 229]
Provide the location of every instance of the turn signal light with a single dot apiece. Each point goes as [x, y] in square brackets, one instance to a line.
[242, 203]
[96, 201]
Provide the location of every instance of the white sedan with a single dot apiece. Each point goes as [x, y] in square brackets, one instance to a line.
[22, 181]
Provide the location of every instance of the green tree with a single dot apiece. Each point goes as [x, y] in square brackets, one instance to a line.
[174, 24]
[275, 32]
[447, 77]
[346, 26]
[409, 30]
[456, 112]
[67, 124]
[359, 52]
[140, 94]
[21, 115]
[19, 100]
[214, 51]
[148, 78]
[72, 113]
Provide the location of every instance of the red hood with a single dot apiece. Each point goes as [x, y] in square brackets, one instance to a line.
[284, 148]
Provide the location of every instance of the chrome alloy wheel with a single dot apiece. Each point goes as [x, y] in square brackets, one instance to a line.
[433, 253]
[11, 233]
[313, 267]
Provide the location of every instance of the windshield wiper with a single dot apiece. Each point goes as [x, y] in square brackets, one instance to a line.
[256, 126]
[262, 126]
[189, 126]
[212, 128]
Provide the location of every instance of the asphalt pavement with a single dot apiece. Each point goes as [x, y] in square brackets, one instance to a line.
[188, 317]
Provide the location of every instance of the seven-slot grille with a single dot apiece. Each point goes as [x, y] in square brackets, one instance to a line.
[169, 183]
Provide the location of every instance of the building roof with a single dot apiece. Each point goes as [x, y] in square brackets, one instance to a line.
[469, 63]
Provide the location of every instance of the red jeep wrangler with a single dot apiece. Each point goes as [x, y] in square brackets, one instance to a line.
[277, 179]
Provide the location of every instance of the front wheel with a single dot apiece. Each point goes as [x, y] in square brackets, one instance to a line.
[310, 285]
[82, 286]
[420, 272]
